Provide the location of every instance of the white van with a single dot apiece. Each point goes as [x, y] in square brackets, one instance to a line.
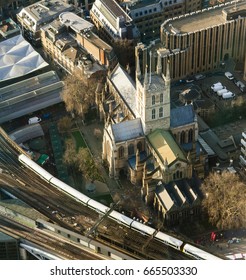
[229, 75]
[34, 120]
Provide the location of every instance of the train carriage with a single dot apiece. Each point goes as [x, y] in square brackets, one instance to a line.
[198, 253]
[66, 188]
[35, 167]
[169, 240]
[120, 218]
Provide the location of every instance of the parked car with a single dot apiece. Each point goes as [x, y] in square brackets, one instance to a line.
[34, 120]
[199, 77]
[241, 86]
[229, 75]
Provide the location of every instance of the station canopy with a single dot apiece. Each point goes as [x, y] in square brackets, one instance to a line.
[18, 58]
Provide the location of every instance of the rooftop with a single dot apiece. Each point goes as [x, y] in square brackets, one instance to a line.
[204, 19]
[182, 115]
[125, 86]
[18, 58]
[75, 22]
[165, 146]
[46, 8]
[115, 9]
[8, 28]
[177, 193]
[127, 130]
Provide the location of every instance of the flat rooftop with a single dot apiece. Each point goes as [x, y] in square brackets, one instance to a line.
[114, 9]
[77, 23]
[8, 28]
[205, 19]
[46, 9]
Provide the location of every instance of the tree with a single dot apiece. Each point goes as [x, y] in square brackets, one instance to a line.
[70, 155]
[224, 200]
[87, 165]
[78, 94]
[64, 124]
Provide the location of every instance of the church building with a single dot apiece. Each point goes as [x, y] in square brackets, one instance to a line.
[146, 139]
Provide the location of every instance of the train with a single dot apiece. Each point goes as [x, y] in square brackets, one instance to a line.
[120, 218]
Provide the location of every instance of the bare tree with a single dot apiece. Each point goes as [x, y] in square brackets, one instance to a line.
[70, 155]
[64, 124]
[224, 200]
[78, 94]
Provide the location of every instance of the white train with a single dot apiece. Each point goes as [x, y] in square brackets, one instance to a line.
[114, 215]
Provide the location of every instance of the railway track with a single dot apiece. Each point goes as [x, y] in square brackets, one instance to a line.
[57, 246]
[67, 212]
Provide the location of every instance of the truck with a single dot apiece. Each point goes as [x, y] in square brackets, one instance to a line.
[34, 120]
[228, 95]
[221, 91]
[216, 89]
[215, 85]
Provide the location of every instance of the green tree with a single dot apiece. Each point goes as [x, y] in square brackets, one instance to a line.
[87, 165]
[224, 200]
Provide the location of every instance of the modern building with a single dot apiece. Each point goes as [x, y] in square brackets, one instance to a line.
[70, 42]
[33, 17]
[200, 41]
[148, 15]
[29, 95]
[112, 22]
[18, 58]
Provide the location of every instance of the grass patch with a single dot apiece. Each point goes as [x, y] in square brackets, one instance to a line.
[80, 143]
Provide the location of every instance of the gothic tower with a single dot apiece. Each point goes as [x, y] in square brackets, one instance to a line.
[152, 92]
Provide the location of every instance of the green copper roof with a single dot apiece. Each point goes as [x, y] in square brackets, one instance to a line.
[165, 146]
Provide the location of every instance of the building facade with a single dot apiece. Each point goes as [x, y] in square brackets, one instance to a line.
[70, 42]
[200, 41]
[34, 16]
[148, 15]
[112, 22]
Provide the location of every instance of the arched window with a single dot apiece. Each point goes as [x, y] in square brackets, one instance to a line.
[182, 137]
[121, 151]
[161, 98]
[190, 135]
[139, 146]
[130, 150]
[153, 114]
[153, 100]
[161, 112]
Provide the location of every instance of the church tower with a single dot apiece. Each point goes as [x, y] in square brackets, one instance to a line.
[152, 92]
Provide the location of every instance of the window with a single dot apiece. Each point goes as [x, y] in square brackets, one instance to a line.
[153, 114]
[182, 137]
[153, 100]
[161, 98]
[161, 112]
[130, 149]
[139, 146]
[190, 135]
[121, 152]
